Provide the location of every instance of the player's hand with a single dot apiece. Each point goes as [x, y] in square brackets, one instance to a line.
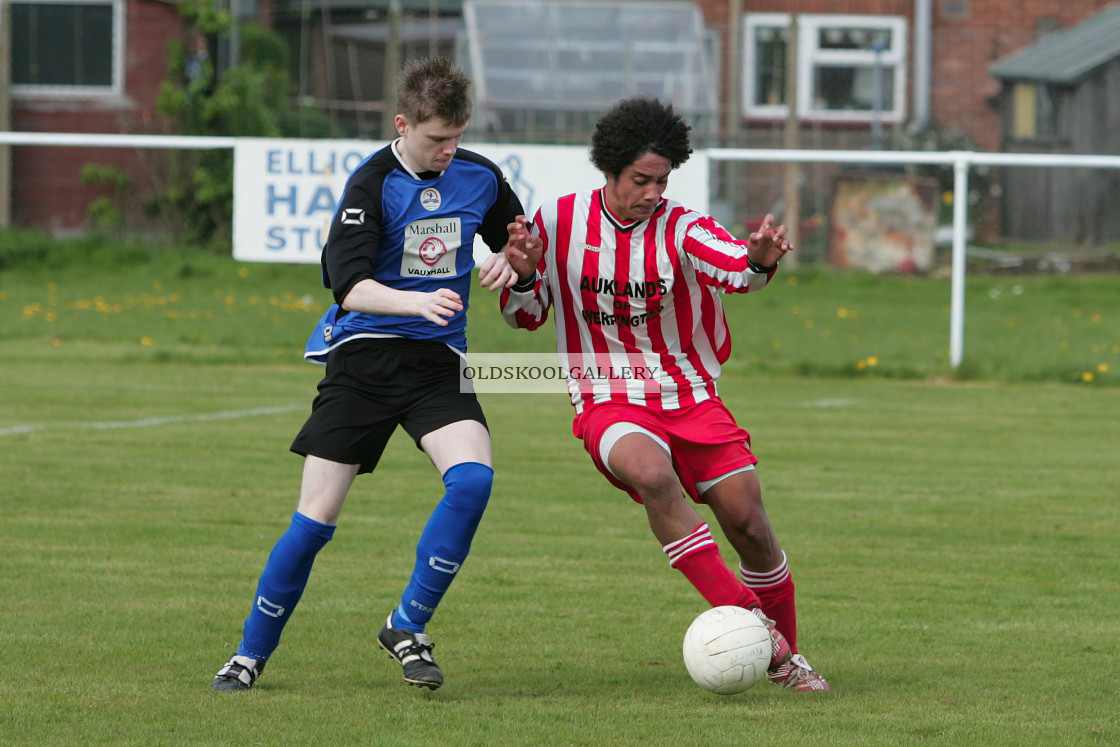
[523, 250]
[496, 273]
[438, 305]
[768, 244]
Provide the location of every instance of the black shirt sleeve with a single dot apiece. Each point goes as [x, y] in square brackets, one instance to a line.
[506, 207]
[354, 236]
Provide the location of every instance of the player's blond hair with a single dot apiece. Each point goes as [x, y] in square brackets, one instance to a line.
[434, 88]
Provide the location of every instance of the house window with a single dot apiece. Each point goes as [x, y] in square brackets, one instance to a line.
[67, 48]
[849, 68]
[1034, 113]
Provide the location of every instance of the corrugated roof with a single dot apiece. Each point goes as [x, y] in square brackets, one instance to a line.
[288, 7]
[1065, 57]
[407, 6]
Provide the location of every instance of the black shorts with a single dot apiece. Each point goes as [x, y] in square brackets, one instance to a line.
[373, 385]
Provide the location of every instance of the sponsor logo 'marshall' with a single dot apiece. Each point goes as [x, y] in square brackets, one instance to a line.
[433, 228]
[431, 247]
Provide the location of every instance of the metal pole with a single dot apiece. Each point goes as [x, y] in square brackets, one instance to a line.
[923, 24]
[234, 33]
[5, 113]
[792, 216]
[960, 230]
[734, 72]
[877, 98]
[392, 70]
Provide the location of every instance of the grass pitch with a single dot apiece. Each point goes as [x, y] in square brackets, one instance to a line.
[953, 539]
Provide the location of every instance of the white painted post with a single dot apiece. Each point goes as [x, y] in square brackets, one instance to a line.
[960, 235]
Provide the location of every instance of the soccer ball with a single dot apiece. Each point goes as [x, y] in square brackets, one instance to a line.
[727, 650]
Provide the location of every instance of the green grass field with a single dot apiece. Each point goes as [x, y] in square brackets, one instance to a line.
[953, 534]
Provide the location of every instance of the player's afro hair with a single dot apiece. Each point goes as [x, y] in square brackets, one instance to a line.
[634, 127]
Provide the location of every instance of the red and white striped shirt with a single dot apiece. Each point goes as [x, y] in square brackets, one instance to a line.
[638, 314]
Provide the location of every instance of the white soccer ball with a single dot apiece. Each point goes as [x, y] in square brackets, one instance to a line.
[727, 650]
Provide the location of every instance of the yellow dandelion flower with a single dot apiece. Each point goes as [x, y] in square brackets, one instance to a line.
[808, 324]
[795, 309]
[230, 300]
[56, 342]
[791, 280]
[1077, 313]
[243, 272]
[842, 313]
[947, 197]
[1102, 368]
[1087, 376]
[1095, 318]
[145, 341]
[873, 360]
[862, 365]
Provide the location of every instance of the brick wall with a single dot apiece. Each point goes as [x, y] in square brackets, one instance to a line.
[46, 190]
[968, 36]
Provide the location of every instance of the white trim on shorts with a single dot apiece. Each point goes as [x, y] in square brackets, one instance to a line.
[705, 485]
[612, 435]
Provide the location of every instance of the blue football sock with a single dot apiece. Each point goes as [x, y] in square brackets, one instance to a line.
[444, 543]
[281, 585]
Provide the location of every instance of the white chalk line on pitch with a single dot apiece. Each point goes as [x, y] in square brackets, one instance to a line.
[840, 402]
[238, 414]
[150, 422]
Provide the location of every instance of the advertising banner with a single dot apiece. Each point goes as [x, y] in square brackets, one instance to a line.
[286, 191]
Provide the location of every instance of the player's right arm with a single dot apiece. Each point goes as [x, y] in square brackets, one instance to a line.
[371, 297]
[525, 304]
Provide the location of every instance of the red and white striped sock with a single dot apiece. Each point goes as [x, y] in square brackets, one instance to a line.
[775, 592]
[697, 557]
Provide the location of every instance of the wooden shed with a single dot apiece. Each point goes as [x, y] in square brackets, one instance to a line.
[1062, 95]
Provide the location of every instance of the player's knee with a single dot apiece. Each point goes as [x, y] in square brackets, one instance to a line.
[656, 485]
[468, 485]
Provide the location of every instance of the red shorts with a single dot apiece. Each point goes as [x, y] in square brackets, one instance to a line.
[703, 440]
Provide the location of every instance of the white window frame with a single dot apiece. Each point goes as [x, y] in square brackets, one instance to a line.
[116, 88]
[809, 56]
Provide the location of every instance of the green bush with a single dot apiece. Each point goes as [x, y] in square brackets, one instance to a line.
[32, 248]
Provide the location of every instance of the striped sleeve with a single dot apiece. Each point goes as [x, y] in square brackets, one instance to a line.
[529, 310]
[720, 259]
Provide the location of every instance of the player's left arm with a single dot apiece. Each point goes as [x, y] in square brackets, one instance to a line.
[496, 271]
[768, 244]
[731, 264]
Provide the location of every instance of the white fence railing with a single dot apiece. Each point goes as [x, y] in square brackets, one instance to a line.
[960, 161]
